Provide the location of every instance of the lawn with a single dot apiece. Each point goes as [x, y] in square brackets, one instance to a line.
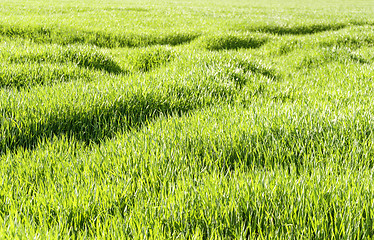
[225, 119]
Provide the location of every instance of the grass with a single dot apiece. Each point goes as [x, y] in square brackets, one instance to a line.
[186, 120]
[231, 41]
[66, 36]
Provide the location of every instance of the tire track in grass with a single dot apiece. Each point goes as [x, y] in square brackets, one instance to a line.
[33, 64]
[317, 58]
[352, 37]
[302, 29]
[65, 36]
[103, 119]
[251, 138]
[83, 56]
[28, 75]
[263, 139]
[27, 64]
[91, 113]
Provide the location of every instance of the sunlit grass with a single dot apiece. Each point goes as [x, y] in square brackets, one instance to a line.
[186, 120]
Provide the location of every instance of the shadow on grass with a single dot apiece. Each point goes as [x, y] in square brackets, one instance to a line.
[105, 120]
[215, 83]
[315, 59]
[291, 29]
[66, 36]
[85, 58]
[231, 41]
[299, 30]
[29, 75]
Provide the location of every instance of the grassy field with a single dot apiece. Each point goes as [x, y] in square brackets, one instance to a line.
[224, 119]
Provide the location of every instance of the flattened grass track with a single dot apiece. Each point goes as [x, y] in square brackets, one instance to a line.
[186, 119]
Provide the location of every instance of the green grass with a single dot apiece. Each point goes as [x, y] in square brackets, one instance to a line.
[186, 120]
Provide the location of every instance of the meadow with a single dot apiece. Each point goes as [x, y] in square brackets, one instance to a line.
[238, 119]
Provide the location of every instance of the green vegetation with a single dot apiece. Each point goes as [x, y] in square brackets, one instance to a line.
[186, 120]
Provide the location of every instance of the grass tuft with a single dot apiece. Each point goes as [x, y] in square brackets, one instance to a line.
[146, 59]
[231, 41]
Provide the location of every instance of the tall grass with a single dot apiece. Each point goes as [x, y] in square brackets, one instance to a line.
[186, 120]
